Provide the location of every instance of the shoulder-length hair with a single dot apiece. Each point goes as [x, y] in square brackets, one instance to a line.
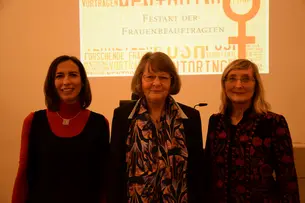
[259, 104]
[157, 62]
[52, 98]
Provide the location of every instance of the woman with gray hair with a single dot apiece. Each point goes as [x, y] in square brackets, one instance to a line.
[246, 143]
[156, 143]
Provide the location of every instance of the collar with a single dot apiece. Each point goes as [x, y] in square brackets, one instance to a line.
[69, 110]
[138, 103]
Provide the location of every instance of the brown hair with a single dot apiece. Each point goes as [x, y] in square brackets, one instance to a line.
[159, 62]
[52, 99]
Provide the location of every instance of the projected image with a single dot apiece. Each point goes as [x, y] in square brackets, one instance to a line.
[201, 36]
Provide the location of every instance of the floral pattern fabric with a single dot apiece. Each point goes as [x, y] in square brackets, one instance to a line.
[254, 164]
[157, 158]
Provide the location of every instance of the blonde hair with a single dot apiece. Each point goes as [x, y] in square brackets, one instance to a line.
[258, 100]
[159, 62]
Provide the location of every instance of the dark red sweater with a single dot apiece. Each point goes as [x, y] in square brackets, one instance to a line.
[76, 125]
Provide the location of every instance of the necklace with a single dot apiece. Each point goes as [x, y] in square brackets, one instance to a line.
[66, 121]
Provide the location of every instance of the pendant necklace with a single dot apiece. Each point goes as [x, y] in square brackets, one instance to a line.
[66, 121]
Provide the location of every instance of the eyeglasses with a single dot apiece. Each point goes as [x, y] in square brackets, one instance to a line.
[151, 78]
[244, 80]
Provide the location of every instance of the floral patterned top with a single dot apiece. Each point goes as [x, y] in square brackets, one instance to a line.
[252, 161]
[157, 158]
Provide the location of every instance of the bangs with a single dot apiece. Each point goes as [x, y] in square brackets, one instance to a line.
[158, 66]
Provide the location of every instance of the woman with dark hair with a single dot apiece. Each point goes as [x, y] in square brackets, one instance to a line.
[64, 148]
[156, 143]
[249, 149]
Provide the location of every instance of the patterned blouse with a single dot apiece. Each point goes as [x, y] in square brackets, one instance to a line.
[156, 158]
[252, 161]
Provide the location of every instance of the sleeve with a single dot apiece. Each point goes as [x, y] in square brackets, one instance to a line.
[196, 162]
[117, 167]
[208, 151]
[285, 171]
[20, 190]
[104, 160]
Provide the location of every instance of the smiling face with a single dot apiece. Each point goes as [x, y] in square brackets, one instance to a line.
[68, 82]
[155, 85]
[240, 86]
